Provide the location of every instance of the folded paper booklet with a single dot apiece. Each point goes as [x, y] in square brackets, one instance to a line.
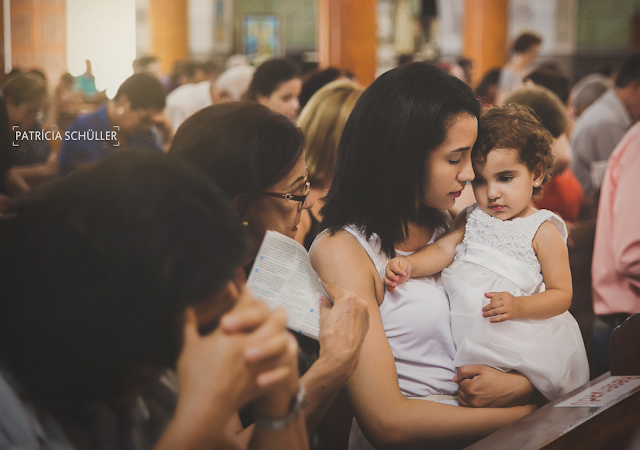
[282, 276]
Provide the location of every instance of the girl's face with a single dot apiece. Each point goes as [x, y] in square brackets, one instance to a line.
[503, 185]
[448, 166]
[284, 99]
[277, 213]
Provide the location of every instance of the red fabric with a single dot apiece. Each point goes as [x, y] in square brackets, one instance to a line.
[563, 195]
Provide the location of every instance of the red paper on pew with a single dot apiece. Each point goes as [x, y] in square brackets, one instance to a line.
[603, 393]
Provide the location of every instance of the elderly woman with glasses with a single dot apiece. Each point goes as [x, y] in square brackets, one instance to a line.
[256, 157]
[134, 118]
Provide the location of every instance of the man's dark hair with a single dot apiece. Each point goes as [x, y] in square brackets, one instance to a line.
[142, 63]
[96, 272]
[380, 166]
[269, 76]
[143, 91]
[403, 59]
[629, 71]
[554, 80]
[314, 80]
[525, 41]
[243, 147]
[209, 67]
[491, 78]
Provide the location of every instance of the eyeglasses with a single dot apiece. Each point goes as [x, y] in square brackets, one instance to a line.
[302, 198]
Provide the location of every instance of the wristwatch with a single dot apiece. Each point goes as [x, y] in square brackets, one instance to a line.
[297, 404]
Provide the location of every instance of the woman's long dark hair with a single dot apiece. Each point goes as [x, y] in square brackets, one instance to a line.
[380, 165]
[96, 272]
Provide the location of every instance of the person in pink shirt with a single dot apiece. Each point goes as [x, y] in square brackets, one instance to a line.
[616, 254]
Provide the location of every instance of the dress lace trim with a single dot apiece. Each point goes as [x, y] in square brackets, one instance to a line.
[512, 237]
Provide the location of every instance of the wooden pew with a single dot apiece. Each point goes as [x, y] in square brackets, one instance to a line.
[614, 425]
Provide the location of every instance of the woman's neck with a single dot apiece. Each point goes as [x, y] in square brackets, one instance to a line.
[418, 237]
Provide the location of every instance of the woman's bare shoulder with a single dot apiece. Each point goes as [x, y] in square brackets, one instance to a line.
[341, 260]
[335, 246]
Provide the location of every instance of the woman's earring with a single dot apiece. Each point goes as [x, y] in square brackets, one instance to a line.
[120, 111]
[245, 223]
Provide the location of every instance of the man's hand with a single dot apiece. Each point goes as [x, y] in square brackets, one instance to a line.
[343, 327]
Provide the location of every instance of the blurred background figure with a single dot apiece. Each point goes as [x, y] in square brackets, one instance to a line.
[147, 64]
[467, 67]
[68, 102]
[557, 82]
[487, 90]
[86, 83]
[277, 83]
[525, 51]
[587, 90]
[27, 98]
[317, 78]
[404, 59]
[602, 126]
[190, 98]
[322, 121]
[237, 60]
[563, 194]
[138, 104]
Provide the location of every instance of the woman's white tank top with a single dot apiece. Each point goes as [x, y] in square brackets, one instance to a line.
[417, 325]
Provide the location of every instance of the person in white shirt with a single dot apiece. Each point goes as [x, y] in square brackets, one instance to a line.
[190, 98]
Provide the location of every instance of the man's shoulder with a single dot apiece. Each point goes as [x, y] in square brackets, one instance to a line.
[595, 120]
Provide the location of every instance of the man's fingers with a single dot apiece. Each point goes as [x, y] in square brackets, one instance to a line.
[245, 318]
[271, 348]
[272, 377]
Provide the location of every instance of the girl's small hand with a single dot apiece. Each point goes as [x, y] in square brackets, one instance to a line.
[503, 305]
[397, 272]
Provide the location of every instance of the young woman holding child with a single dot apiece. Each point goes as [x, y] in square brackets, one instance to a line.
[504, 248]
[403, 159]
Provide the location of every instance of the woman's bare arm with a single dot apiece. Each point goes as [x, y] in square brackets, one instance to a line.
[384, 414]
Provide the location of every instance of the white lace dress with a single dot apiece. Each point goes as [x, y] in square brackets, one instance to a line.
[496, 256]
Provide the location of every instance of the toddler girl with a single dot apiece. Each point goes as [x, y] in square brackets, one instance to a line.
[509, 285]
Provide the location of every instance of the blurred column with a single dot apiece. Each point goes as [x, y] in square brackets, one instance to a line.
[347, 36]
[485, 35]
[168, 25]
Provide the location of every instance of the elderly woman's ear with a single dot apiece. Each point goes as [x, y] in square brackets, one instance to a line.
[240, 203]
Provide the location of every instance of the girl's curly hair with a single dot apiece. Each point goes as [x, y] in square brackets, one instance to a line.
[517, 127]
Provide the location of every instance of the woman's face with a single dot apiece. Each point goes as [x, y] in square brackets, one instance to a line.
[448, 166]
[24, 115]
[279, 214]
[284, 99]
